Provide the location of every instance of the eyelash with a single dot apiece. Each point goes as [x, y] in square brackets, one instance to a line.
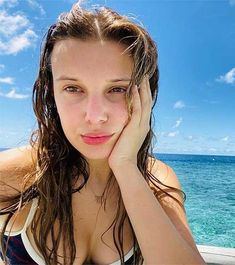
[124, 90]
[69, 87]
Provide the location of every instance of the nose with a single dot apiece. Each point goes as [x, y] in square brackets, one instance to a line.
[95, 110]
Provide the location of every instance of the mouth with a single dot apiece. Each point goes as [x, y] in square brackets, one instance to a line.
[95, 135]
[94, 139]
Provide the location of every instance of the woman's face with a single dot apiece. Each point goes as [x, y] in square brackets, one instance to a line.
[90, 82]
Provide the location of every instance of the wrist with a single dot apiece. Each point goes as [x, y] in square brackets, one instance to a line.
[123, 166]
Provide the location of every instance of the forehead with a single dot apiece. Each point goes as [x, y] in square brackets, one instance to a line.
[73, 57]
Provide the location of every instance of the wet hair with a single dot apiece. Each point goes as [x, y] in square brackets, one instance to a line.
[59, 164]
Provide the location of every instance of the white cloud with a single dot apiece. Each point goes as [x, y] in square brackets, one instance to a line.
[178, 122]
[16, 33]
[225, 139]
[10, 24]
[13, 95]
[163, 134]
[2, 66]
[19, 42]
[173, 134]
[228, 78]
[7, 80]
[194, 139]
[179, 104]
[35, 5]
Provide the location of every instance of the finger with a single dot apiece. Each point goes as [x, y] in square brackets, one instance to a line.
[136, 106]
[146, 101]
[149, 90]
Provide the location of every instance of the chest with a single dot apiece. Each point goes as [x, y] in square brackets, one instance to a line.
[93, 238]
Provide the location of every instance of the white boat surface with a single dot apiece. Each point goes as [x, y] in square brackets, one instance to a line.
[217, 255]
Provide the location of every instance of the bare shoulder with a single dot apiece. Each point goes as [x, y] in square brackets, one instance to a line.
[20, 154]
[14, 165]
[168, 183]
[166, 178]
[17, 159]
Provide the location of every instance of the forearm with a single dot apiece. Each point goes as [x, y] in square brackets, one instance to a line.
[159, 240]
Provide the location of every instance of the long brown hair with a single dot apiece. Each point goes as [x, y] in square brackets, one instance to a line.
[59, 164]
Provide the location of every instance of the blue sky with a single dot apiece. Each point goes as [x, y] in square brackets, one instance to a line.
[196, 44]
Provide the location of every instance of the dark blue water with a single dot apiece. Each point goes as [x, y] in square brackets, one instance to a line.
[209, 184]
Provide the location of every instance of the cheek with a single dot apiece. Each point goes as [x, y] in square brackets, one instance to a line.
[120, 114]
[68, 115]
[72, 115]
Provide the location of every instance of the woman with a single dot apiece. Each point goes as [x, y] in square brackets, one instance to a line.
[92, 192]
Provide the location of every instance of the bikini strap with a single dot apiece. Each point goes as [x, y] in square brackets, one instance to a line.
[31, 214]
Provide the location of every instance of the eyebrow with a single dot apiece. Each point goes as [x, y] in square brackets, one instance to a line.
[61, 78]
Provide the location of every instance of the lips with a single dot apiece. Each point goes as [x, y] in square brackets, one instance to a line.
[96, 135]
[94, 139]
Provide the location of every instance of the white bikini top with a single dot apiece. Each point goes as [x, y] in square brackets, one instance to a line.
[28, 246]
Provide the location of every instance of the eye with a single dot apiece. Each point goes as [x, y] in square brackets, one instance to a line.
[119, 90]
[72, 89]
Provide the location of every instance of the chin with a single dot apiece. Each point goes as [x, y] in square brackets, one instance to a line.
[96, 156]
[94, 153]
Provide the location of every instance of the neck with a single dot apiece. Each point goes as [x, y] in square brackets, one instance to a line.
[99, 177]
[99, 172]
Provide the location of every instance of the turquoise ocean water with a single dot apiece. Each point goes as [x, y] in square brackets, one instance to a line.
[209, 184]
